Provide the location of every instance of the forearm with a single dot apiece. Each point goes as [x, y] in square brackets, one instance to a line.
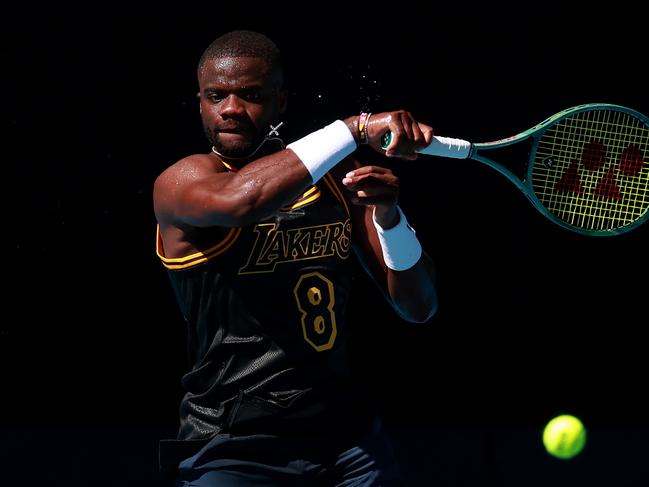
[410, 274]
[265, 185]
[268, 185]
[412, 291]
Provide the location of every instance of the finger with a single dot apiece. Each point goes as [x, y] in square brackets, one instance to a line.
[407, 122]
[402, 145]
[370, 180]
[406, 143]
[376, 192]
[352, 177]
[367, 170]
[364, 180]
[373, 189]
[418, 136]
[372, 201]
[428, 133]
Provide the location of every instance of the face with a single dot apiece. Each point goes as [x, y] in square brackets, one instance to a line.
[239, 99]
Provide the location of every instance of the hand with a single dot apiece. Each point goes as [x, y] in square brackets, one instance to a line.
[408, 135]
[375, 186]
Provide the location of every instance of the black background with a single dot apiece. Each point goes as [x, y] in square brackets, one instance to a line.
[534, 320]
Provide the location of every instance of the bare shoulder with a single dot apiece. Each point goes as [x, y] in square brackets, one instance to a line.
[177, 176]
[187, 169]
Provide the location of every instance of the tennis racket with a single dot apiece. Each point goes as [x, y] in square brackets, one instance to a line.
[587, 167]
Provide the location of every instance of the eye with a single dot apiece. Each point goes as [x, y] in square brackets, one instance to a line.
[253, 96]
[214, 97]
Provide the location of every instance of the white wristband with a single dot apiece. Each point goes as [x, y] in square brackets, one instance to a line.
[401, 249]
[323, 149]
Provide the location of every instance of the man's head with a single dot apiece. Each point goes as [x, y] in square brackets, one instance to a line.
[240, 79]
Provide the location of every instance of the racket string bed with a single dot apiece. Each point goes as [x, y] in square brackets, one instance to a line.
[598, 178]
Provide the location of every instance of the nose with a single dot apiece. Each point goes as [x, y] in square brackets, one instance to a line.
[232, 105]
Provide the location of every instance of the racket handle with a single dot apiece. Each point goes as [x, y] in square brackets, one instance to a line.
[439, 146]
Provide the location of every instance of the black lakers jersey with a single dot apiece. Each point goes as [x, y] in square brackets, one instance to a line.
[265, 309]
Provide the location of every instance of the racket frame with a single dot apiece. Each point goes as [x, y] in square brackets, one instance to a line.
[536, 133]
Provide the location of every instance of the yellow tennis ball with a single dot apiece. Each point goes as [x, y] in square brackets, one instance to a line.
[564, 436]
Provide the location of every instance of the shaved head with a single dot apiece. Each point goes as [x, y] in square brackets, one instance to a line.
[243, 43]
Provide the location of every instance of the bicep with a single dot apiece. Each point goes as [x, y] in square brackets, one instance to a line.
[198, 201]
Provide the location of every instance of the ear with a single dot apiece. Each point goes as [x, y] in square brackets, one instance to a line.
[283, 101]
[200, 107]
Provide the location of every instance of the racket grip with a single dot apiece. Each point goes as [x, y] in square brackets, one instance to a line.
[439, 146]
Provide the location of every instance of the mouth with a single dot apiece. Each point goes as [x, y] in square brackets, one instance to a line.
[233, 129]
